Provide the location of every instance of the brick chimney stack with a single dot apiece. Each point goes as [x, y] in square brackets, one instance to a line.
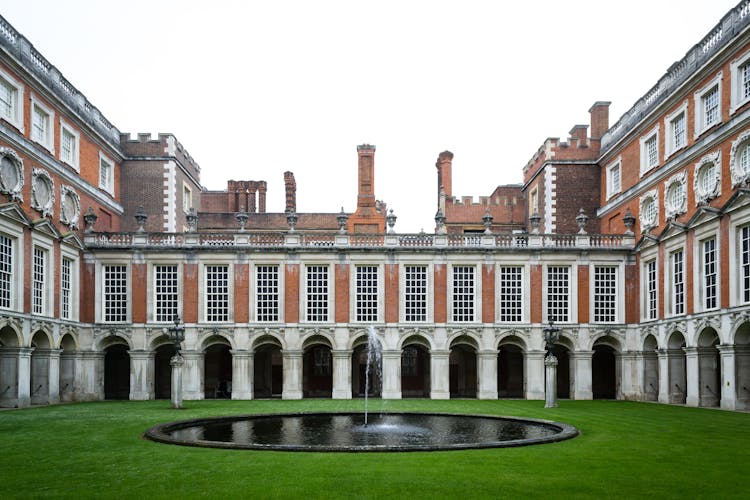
[262, 196]
[291, 192]
[599, 118]
[366, 176]
[444, 167]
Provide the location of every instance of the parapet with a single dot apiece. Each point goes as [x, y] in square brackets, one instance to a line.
[146, 146]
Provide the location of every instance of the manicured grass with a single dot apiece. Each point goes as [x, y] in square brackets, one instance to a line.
[625, 450]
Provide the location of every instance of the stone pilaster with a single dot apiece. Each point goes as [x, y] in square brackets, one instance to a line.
[534, 374]
[292, 386]
[487, 374]
[581, 361]
[391, 374]
[693, 376]
[192, 375]
[342, 374]
[440, 374]
[242, 374]
[141, 378]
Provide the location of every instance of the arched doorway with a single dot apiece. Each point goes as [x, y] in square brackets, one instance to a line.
[116, 372]
[463, 368]
[67, 368]
[415, 369]
[360, 374]
[268, 369]
[163, 371]
[603, 373]
[562, 353]
[510, 369]
[217, 370]
[40, 368]
[317, 369]
[709, 368]
[677, 368]
[742, 366]
[9, 346]
[650, 389]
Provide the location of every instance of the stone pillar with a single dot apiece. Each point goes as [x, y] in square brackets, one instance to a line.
[54, 376]
[192, 375]
[24, 376]
[728, 380]
[391, 374]
[709, 389]
[242, 374]
[534, 364]
[91, 379]
[582, 374]
[68, 370]
[292, 385]
[8, 377]
[631, 375]
[440, 374]
[693, 376]
[177, 362]
[487, 374]
[342, 374]
[663, 376]
[742, 365]
[550, 385]
[39, 379]
[141, 377]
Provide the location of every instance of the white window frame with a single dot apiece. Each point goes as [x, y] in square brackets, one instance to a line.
[619, 295]
[379, 294]
[151, 291]
[703, 233]
[676, 292]
[330, 293]
[16, 288]
[646, 308]
[671, 143]
[534, 201]
[71, 255]
[572, 291]
[75, 160]
[100, 289]
[187, 200]
[106, 186]
[739, 218]
[477, 299]
[255, 296]
[677, 181]
[202, 286]
[48, 141]
[737, 97]
[700, 125]
[613, 187]
[429, 292]
[17, 91]
[652, 134]
[524, 297]
[48, 293]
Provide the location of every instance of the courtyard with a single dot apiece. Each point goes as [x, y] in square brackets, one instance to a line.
[625, 450]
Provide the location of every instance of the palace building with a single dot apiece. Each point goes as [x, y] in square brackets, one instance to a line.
[633, 239]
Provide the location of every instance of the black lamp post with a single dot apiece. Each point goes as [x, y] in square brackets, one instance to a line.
[551, 336]
[176, 336]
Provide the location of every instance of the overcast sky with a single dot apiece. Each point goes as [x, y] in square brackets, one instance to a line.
[253, 89]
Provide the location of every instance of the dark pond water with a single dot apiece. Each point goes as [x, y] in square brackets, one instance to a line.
[347, 432]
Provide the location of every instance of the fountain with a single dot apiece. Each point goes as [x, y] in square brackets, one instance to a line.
[374, 359]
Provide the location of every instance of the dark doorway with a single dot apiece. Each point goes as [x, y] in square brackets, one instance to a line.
[510, 372]
[317, 380]
[163, 372]
[463, 372]
[360, 375]
[415, 372]
[603, 375]
[563, 370]
[116, 372]
[268, 369]
[217, 376]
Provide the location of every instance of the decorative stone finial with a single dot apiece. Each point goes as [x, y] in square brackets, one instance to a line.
[241, 217]
[140, 218]
[390, 219]
[291, 220]
[534, 220]
[342, 219]
[192, 220]
[90, 219]
[581, 220]
[487, 221]
[440, 222]
[628, 219]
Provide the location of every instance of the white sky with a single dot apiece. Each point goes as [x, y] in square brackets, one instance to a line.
[252, 89]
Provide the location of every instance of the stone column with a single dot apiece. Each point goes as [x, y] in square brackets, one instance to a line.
[39, 381]
[550, 385]
[24, 376]
[141, 381]
[709, 390]
[177, 362]
[693, 376]
[440, 374]
[582, 374]
[242, 374]
[742, 364]
[192, 375]
[91, 375]
[534, 364]
[342, 374]
[728, 382]
[631, 375]
[391, 374]
[54, 376]
[663, 376]
[487, 374]
[68, 370]
[292, 385]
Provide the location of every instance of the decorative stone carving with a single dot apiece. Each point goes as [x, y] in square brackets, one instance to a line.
[675, 195]
[11, 174]
[707, 178]
[649, 210]
[737, 155]
[42, 192]
[701, 324]
[107, 331]
[70, 207]
[14, 323]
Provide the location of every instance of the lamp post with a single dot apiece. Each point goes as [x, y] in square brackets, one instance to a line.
[176, 336]
[551, 336]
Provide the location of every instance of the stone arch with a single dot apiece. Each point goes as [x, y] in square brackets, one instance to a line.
[566, 341]
[215, 337]
[464, 338]
[650, 360]
[39, 379]
[42, 339]
[69, 342]
[605, 369]
[268, 366]
[606, 339]
[709, 367]
[269, 339]
[676, 368]
[322, 338]
[462, 364]
[317, 366]
[10, 336]
[511, 367]
[113, 339]
[217, 366]
[415, 366]
[69, 347]
[367, 367]
[116, 367]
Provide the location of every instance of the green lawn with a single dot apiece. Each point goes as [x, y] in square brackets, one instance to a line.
[625, 450]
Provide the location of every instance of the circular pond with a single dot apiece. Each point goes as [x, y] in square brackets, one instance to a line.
[348, 432]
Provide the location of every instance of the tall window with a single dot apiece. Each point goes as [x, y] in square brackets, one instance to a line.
[6, 272]
[367, 293]
[614, 182]
[39, 282]
[217, 292]
[558, 293]
[66, 288]
[678, 282]
[115, 293]
[710, 105]
[41, 126]
[267, 293]
[317, 293]
[745, 263]
[651, 310]
[463, 293]
[68, 146]
[8, 101]
[709, 274]
[511, 294]
[745, 81]
[415, 291]
[106, 174]
[679, 132]
[605, 294]
[165, 292]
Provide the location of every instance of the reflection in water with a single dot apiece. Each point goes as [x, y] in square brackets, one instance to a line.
[347, 431]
